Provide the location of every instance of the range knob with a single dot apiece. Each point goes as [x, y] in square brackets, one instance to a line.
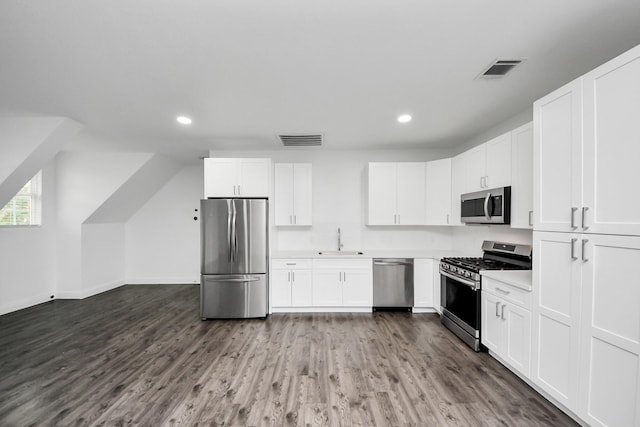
[467, 274]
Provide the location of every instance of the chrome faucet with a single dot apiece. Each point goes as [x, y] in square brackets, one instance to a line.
[340, 244]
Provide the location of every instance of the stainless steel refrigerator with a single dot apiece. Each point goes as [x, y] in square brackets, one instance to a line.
[234, 258]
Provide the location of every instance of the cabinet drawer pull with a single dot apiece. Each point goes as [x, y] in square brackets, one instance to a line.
[502, 291]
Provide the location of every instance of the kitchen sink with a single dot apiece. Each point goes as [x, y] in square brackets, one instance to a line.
[339, 253]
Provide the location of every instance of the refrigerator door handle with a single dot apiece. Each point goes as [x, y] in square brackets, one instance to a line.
[234, 234]
[229, 229]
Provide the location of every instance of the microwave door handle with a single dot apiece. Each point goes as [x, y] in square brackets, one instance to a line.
[486, 206]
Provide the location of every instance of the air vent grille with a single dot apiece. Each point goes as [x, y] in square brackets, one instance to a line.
[301, 139]
[499, 68]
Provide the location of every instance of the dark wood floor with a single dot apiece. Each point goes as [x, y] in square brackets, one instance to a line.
[141, 355]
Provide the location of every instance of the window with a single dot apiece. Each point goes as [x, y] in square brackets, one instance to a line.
[24, 208]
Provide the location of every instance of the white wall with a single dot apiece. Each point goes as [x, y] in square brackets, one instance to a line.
[162, 243]
[84, 181]
[468, 239]
[28, 255]
[103, 257]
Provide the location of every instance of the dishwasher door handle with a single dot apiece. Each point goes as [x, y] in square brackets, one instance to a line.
[390, 263]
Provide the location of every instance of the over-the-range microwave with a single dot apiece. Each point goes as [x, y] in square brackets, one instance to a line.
[491, 206]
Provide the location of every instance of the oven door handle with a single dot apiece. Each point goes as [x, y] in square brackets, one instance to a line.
[469, 283]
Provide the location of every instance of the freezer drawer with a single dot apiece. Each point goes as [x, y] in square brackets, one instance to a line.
[233, 296]
[393, 282]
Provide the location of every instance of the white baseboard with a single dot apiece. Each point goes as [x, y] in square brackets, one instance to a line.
[321, 310]
[163, 280]
[424, 310]
[24, 303]
[85, 293]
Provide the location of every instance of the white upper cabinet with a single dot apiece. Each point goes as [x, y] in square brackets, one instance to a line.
[236, 177]
[488, 165]
[522, 177]
[396, 194]
[438, 192]
[586, 150]
[498, 162]
[457, 187]
[293, 194]
[611, 131]
[557, 153]
[475, 167]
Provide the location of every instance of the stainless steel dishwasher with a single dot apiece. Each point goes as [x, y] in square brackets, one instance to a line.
[392, 283]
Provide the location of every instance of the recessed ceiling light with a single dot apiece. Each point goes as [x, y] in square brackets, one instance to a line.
[404, 118]
[184, 120]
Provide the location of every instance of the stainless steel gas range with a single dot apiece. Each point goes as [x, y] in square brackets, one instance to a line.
[461, 285]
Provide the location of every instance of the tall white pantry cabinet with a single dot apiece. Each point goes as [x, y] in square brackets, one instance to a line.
[586, 290]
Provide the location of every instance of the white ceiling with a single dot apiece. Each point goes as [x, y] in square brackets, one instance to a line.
[247, 70]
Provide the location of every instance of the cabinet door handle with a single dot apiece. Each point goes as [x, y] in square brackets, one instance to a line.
[345, 276]
[502, 291]
[531, 218]
[573, 220]
[573, 249]
[486, 181]
[497, 307]
[239, 192]
[295, 221]
[502, 313]
[584, 214]
[289, 276]
[584, 243]
[293, 276]
[481, 182]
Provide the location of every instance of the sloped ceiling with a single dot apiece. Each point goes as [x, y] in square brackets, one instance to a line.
[26, 145]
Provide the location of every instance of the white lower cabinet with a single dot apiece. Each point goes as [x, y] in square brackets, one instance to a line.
[586, 324]
[426, 285]
[291, 283]
[506, 323]
[342, 283]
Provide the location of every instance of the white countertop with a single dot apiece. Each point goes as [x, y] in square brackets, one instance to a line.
[518, 278]
[379, 253]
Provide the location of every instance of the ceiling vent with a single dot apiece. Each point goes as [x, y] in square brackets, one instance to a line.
[499, 68]
[301, 139]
